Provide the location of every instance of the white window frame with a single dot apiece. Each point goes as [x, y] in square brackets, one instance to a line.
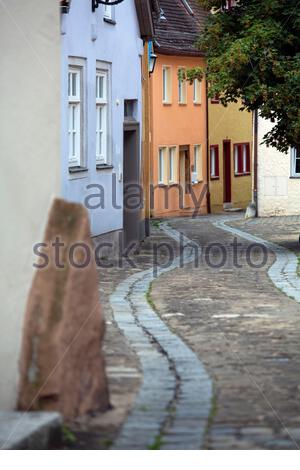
[103, 108]
[197, 162]
[236, 160]
[182, 89]
[101, 118]
[244, 158]
[213, 165]
[109, 12]
[196, 158]
[161, 165]
[213, 162]
[295, 155]
[197, 91]
[172, 164]
[75, 116]
[167, 84]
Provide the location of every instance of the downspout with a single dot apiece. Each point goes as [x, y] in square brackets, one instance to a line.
[255, 163]
[207, 151]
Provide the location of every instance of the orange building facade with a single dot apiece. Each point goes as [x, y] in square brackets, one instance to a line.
[179, 136]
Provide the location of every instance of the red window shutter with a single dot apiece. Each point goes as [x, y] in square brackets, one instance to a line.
[240, 159]
[217, 161]
[248, 158]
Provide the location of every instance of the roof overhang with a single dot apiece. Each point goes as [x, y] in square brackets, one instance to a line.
[144, 13]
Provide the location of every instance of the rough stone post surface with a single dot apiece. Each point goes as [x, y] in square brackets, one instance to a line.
[62, 365]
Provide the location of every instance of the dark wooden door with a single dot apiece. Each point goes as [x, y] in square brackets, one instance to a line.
[132, 190]
[227, 170]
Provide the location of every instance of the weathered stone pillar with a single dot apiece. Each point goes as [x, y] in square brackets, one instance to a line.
[62, 365]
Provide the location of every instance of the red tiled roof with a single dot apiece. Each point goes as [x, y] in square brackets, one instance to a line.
[178, 32]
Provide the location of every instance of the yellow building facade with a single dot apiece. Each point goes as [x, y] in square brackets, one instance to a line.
[230, 156]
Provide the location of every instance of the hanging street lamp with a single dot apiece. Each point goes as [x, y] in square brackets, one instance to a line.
[95, 3]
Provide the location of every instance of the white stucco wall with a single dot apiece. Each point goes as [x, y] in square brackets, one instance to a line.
[278, 193]
[30, 160]
[120, 45]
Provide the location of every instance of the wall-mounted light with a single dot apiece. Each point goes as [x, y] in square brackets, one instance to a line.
[95, 3]
[152, 63]
[152, 57]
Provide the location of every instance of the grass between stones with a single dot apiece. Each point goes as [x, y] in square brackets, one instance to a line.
[68, 436]
[155, 223]
[149, 298]
[157, 444]
[212, 415]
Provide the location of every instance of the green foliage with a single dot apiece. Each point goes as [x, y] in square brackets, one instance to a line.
[157, 444]
[68, 436]
[253, 55]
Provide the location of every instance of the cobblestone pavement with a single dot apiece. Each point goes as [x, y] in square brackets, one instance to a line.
[173, 404]
[124, 370]
[242, 328]
[284, 271]
[284, 231]
[246, 333]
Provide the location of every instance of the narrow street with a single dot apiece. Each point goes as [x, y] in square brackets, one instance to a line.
[202, 351]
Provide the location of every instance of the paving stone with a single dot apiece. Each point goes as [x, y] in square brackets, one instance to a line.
[250, 391]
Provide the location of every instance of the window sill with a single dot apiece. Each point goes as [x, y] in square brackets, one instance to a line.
[295, 177]
[162, 185]
[172, 183]
[109, 21]
[238, 175]
[182, 104]
[195, 103]
[213, 178]
[166, 103]
[103, 166]
[77, 169]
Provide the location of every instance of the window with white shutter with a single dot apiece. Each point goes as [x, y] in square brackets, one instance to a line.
[75, 116]
[102, 156]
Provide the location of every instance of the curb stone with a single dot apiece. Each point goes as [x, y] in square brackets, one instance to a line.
[174, 401]
[283, 273]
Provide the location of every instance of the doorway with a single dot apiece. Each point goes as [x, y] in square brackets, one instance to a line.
[227, 171]
[132, 193]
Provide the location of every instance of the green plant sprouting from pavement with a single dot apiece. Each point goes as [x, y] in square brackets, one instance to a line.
[106, 443]
[68, 436]
[148, 296]
[157, 444]
[155, 223]
[211, 416]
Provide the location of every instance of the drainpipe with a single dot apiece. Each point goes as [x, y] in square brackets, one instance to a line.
[207, 151]
[255, 163]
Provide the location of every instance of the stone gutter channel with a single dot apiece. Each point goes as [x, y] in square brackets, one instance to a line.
[173, 404]
[283, 272]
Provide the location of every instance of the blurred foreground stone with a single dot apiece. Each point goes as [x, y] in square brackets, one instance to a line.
[30, 431]
[62, 365]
